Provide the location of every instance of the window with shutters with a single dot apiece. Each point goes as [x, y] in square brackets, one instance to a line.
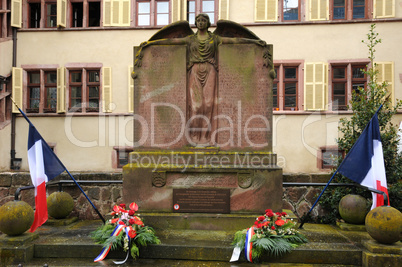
[153, 12]
[82, 13]
[291, 10]
[38, 20]
[287, 86]
[41, 91]
[83, 90]
[209, 7]
[349, 9]
[278, 11]
[85, 13]
[345, 79]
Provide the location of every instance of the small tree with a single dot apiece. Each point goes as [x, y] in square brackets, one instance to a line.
[364, 104]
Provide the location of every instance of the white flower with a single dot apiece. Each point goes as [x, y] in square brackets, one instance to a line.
[125, 248]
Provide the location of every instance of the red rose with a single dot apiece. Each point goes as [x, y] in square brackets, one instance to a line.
[261, 218]
[268, 210]
[131, 212]
[278, 214]
[131, 221]
[284, 213]
[122, 223]
[270, 214]
[122, 205]
[272, 227]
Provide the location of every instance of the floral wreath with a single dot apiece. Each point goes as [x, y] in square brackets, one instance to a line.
[273, 234]
[125, 230]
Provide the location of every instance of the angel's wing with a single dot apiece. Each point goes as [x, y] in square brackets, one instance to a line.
[227, 28]
[178, 29]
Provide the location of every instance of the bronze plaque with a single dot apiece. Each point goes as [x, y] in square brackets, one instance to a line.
[201, 200]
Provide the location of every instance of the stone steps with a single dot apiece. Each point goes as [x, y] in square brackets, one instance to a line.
[199, 237]
[188, 240]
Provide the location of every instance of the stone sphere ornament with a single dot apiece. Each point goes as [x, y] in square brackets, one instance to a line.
[384, 224]
[16, 217]
[60, 205]
[353, 209]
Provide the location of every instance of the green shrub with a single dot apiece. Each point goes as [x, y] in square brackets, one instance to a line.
[364, 104]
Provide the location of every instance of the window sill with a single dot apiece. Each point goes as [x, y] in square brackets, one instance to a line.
[307, 112]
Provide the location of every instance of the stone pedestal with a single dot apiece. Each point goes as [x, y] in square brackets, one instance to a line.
[17, 249]
[253, 180]
[382, 255]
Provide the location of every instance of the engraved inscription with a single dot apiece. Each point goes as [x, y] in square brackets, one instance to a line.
[201, 200]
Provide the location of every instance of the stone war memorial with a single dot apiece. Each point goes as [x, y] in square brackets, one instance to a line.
[203, 122]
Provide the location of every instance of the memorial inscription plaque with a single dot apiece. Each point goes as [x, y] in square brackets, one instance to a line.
[201, 200]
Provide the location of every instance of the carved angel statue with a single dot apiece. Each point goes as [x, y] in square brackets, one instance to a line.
[202, 66]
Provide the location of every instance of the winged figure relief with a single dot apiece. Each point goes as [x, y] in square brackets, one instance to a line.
[202, 65]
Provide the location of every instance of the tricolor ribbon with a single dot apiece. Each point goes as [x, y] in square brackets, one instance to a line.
[249, 245]
[106, 250]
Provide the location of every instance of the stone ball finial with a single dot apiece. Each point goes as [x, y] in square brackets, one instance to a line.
[384, 224]
[16, 217]
[60, 205]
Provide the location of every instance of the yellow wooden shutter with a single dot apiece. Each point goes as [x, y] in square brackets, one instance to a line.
[183, 9]
[107, 12]
[315, 86]
[266, 10]
[386, 74]
[61, 13]
[106, 89]
[125, 13]
[224, 9]
[319, 9]
[17, 88]
[130, 90]
[384, 8]
[16, 14]
[176, 10]
[61, 90]
[116, 12]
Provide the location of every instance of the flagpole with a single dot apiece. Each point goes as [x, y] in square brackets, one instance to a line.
[340, 165]
[57, 158]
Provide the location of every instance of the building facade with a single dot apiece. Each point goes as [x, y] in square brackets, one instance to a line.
[68, 63]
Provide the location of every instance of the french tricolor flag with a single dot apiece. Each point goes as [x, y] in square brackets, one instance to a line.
[43, 166]
[364, 163]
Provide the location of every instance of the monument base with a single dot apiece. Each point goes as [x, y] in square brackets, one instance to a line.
[205, 181]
